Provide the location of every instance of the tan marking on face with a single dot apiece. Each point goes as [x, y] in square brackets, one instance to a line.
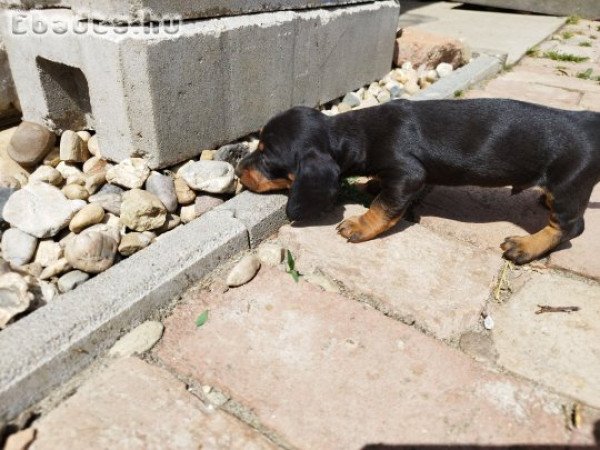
[369, 225]
[261, 146]
[256, 182]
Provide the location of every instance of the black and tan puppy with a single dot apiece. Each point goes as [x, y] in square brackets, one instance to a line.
[406, 145]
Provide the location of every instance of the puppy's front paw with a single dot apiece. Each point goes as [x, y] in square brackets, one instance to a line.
[516, 249]
[353, 230]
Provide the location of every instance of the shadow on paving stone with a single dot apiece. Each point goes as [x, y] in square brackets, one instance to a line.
[483, 205]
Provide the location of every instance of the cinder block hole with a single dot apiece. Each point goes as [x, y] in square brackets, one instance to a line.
[67, 95]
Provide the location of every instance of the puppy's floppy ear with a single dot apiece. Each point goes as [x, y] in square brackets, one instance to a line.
[315, 187]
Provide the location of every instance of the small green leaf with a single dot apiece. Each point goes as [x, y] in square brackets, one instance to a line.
[202, 318]
[295, 275]
[290, 261]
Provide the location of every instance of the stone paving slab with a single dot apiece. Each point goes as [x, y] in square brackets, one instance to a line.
[532, 92]
[326, 372]
[556, 349]
[481, 216]
[411, 272]
[530, 75]
[501, 32]
[590, 101]
[132, 405]
[581, 255]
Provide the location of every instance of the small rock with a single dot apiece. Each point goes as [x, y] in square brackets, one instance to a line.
[368, 103]
[207, 155]
[444, 69]
[322, 281]
[352, 99]
[374, 89]
[89, 215]
[73, 148]
[78, 179]
[110, 202]
[75, 192]
[431, 76]
[216, 177]
[18, 247]
[395, 89]
[130, 173]
[488, 322]
[142, 211]
[188, 213]
[48, 253]
[47, 174]
[71, 280]
[111, 189]
[205, 203]
[185, 195]
[108, 228]
[172, 221]
[60, 266]
[426, 49]
[34, 269]
[243, 271]
[9, 182]
[52, 159]
[270, 253]
[400, 76]
[14, 297]
[93, 147]
[94, 181]
[383, 96]
[344, 107]
[164, 188]
[411, 88]
[134, 242]
[48, 291]
[139, 340]
[30, 143]
[91, 251]
[232, 153]
[95, 164]
[407, 65]
[67, 170]
[20, 440]
[84, 135]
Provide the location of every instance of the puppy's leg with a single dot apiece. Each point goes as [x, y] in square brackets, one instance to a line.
[565, 222]
[387, 208]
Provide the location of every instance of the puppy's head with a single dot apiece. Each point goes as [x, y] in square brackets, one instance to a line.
[294, 153]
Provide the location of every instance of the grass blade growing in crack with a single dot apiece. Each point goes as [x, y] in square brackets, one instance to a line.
[202, 318]
[291, 267]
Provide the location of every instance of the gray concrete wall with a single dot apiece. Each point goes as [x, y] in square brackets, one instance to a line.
[166, 96]
[584, 8]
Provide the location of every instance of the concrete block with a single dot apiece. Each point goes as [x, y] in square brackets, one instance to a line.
[165, 94]
[583, 8]
[46, 348]
[262, 214]
[149, 10]
[9, 103]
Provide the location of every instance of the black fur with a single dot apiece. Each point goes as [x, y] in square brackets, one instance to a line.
[406, 145]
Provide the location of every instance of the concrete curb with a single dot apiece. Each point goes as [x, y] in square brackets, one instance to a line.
[482, 67]
[48, 347]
